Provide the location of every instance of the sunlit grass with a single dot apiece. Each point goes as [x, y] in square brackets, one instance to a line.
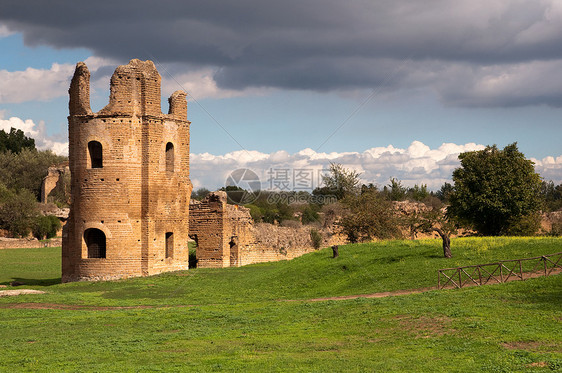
[237, 319]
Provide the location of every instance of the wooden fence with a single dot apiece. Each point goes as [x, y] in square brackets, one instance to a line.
[499, 272]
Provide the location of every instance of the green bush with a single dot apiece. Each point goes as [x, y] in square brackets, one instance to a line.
[46, 227]
[310, 214]
[526, 225]
[18, 211]
[316, 238]
[255, 212]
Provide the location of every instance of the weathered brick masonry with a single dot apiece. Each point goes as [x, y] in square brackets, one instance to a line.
[130, 184]
[226, 236]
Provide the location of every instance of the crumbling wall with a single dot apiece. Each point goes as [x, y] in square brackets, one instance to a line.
[226, 236]
[54, 178]
[28, 243]
[206, 220]
[220, 231]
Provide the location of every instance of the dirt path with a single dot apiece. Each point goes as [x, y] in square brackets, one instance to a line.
[58, 306]
[55, 306]
[526, 275]
[383, 294]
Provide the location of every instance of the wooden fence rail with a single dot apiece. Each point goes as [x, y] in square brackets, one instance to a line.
[499, 272]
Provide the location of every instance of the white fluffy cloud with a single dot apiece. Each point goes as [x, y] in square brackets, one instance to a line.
[46, 84]
[35, 84]
[417, 164]
[550, 168]
[35, 131]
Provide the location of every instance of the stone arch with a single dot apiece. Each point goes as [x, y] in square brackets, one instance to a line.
[96, 243]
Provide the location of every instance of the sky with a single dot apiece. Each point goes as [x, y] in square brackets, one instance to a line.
[388, 88]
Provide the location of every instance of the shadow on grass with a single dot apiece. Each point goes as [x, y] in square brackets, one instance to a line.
[33, 282]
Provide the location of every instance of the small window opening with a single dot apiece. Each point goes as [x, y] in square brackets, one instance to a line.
[169, 245]
[96, 154]
[96, 243]
[233, 251]
[170, 157]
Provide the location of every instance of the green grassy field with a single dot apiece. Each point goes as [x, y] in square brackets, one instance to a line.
[240, 319]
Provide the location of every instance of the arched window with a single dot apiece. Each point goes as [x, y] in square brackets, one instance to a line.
[170, 157]
[169, 245]
[96, 154]
[95, 241]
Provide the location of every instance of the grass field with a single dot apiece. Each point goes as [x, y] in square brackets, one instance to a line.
[240, 319]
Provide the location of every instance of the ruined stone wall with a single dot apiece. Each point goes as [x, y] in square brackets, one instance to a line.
[28, 243]
[55, 176]
[226, 236]
[206, 221]
[140, 195]
[274, 242]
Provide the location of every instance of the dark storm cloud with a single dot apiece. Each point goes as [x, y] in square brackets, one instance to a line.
[449, 46]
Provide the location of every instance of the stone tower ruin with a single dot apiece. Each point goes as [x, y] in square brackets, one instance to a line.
[130, 182]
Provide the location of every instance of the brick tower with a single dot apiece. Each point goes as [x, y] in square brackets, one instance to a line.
[130, 183]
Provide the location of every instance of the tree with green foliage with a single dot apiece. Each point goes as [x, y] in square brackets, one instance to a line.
[444, 192]
[418, 192]
[496, 192]
[341, 182]
[18, 211]
[395, 190]
[200, 194]
[434, 220]
[45, 227]
[552, 195]
[316, 238]
[27, 169]
[369, 215]
[15, 141]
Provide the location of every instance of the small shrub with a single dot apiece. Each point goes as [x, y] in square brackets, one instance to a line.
[525, 226]
[255, 212]
[46, 227]
[309, 215]
[316, 238]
